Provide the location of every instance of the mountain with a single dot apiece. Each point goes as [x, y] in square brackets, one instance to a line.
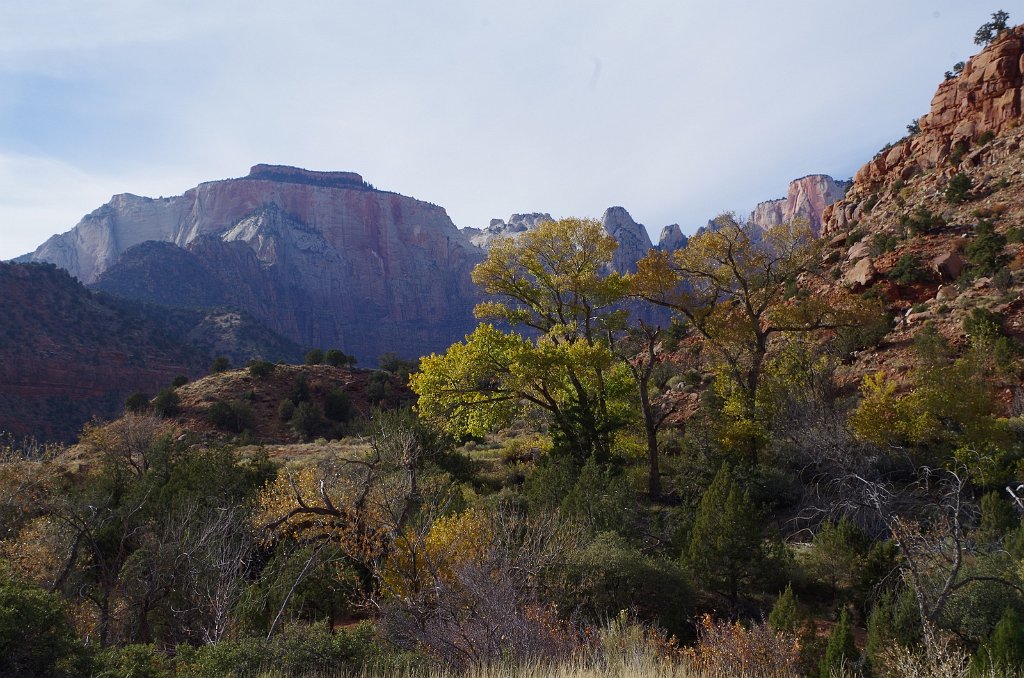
[68, 354]
[320, 257]
[806, 198]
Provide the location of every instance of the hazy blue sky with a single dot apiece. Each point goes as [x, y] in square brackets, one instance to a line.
[676, 110]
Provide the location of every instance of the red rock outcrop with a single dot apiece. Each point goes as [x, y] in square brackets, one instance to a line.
[806, 198]
[982, 102]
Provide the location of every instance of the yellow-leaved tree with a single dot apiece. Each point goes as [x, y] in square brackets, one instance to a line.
[739, 288]
[556, 282]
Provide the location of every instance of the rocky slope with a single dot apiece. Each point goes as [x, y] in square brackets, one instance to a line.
[67, 355]
[320, 257]
[906, 234]
[806, 198]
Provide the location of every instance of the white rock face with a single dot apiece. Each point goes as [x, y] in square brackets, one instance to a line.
[672, 239]
[806, 198]
[634, 242]
[499, 228]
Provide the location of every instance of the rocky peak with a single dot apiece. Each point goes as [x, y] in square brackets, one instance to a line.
[672, 239]
[806, 198]
[499, 228]
[634, 242]
[968, 111]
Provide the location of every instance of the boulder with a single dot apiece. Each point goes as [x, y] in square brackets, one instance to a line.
[862, 274]
[949, 265]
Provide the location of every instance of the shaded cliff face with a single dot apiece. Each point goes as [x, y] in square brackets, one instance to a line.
[320, 257]
[984, 101]
[806, 198]
[67, 355]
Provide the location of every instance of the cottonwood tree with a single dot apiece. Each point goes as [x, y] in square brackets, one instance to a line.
[739, 291]
[552, 281]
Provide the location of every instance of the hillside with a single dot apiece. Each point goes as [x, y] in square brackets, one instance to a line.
[67, 355]
[932, 224]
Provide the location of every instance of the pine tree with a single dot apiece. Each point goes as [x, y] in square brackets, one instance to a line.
[881, 629]
[785, 616]
[725, 549]
[1004, 650]
[840, 649]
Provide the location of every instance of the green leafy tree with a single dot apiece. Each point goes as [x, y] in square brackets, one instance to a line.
[958, 190]
[261, 369]
[725, 551]
[315, 356]
[840, 650]
[839, 554]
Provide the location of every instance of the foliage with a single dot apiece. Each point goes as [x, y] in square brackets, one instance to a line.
[390, 362]
[894, 620]
[339, 358]
[732, 649]
[308, 419]
[315, 356]
[609, 575]
[958, 190]
[552, 281]
[220, 364]
[732, 289]
[261, 369]
[725, 552]
[235, 415]
[839, 554]
[840, 649]
[1004, 651]
[785, 616]
[907, 270]
[986, 251]
[36, 638]
[137, 402]
[920, 221]
[338, 406]
[990, 30]
[167, 403]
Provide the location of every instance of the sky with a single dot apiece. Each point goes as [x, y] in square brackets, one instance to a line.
[676, 110]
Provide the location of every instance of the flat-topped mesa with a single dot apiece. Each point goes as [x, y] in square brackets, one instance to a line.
[806, 198]
[297, 175]
[968, 110]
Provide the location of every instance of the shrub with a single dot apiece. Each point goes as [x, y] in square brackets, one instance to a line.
[167, 403]
[914, 127]
[390, 362]
[785, 616]
[315, 357]
[137, 402]
[220, 364]
[882, 243]
[986, 137]
[339, 358]
[921, 221]
[983, 325]
[907, 271]
[36, 638]
[870, 203]
[840, 649]
[1004, 650]
[337, 406]
[285, 410]
[867, 334]
[300, 390]
[610, 575]
[233, 416]
[985, 252]
[957, 152]
[958, 190]
[179, 381]
[308, 419]
[261, 369]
